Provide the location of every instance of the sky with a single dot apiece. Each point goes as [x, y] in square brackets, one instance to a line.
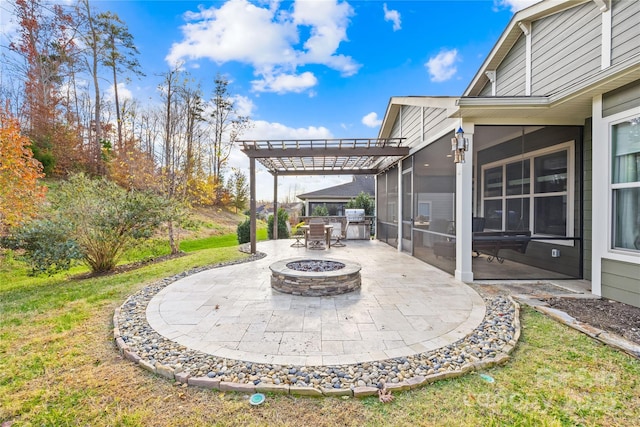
[310, 69]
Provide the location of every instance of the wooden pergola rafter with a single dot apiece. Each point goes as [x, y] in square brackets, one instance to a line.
[296, 157]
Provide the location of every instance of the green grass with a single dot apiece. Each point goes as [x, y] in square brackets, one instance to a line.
[59, 366]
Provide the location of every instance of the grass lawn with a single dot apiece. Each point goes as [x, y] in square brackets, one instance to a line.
[59, 366]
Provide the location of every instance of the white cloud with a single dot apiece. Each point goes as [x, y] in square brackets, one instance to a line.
[283, 83]
[513, 5]
[393, 16]
[268, 38]
[442, 66]
[244, 106]
[263, 130]
[371, 120]
[123, 93]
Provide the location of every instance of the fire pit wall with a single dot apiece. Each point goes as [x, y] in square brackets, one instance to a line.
[315, 283]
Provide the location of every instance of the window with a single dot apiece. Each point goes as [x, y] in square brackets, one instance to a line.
[625, 184]
[530, 192]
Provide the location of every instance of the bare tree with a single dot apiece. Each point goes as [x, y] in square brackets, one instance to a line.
[226, 127]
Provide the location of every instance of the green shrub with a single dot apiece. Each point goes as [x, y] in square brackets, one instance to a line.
[283, 231]
[244, 231]
[46, 246]
[320, 210]
[362, 201]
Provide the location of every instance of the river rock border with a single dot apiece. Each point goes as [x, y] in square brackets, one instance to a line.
[488, 345]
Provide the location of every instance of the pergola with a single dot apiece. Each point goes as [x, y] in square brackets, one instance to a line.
[355, 156]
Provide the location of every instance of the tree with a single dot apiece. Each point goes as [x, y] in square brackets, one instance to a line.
[45, 43]
[239, 190]
[120, 55]
[20, 192]
[226, 125]
[362, 201]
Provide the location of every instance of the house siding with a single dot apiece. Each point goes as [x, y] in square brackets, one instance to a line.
[587, 189]
[626, 30]
[432, 119]
[411, 123]
[510, 75]
[620, 281]
[621, 99]
[565, 48]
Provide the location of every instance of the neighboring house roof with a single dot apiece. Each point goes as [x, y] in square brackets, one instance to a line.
[360, 184]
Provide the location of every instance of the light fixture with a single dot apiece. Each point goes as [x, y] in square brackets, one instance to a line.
[459, 145]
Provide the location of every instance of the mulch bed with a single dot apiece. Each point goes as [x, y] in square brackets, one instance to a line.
[611, 316]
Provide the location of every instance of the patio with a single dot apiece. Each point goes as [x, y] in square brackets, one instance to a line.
[404, 307]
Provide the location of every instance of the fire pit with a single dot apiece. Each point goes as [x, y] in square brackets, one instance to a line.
[315, 277]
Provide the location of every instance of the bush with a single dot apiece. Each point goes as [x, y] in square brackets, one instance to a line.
[244, 231]
[362, 201]
[47, 246]
[283, 231]
[320, 210]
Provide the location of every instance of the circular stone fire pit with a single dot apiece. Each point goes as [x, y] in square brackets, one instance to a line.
[315, 277]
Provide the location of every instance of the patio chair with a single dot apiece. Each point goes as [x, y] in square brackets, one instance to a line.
[316, 236]
[298, 235]
[337, 235]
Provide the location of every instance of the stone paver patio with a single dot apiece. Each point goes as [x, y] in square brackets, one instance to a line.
[404, 307]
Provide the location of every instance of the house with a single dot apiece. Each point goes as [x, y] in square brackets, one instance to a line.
[335, 198]
[547, 157]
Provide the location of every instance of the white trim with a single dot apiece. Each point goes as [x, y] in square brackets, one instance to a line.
[605, 55]
[463, 211]
[491, 75]
[526, 29]
[611, 252]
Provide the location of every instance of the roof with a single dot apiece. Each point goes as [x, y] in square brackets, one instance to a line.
[360, 184]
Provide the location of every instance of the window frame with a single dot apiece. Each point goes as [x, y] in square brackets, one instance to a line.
[569, 148]
[612, 187]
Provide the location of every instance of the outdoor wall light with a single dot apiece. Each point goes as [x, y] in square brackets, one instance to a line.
[459, 145]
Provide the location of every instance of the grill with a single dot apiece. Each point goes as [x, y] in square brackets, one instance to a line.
[354, 215]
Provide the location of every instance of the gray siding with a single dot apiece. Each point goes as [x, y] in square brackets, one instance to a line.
[396, 130]
[587, 166]
[510, 75]
[620, 281]
[565, 48]
[411, 124]
[486, 90]
[626, 30]
[433, 117]
[621, 99]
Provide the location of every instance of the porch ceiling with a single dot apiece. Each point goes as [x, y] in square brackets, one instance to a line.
[355, 156]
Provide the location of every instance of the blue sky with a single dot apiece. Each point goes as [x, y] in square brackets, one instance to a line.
[313, 68]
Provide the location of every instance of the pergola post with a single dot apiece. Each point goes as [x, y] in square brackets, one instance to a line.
[275, 206]
[252, 203]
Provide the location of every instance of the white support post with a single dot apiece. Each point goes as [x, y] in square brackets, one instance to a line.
[464, 206]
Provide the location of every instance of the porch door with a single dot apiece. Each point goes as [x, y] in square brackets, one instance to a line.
[407, 210]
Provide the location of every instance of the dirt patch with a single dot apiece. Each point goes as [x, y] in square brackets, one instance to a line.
[611, 316]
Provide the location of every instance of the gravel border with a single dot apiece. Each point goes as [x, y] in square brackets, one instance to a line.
[488, 345]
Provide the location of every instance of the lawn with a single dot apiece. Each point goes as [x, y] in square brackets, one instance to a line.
[59, 366]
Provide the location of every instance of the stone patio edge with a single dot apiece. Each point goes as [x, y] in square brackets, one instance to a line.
[307, 391]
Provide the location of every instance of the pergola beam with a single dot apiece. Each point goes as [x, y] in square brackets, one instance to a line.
[326, 152]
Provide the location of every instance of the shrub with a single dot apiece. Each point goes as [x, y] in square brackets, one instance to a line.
[283, 231]
[320, 210]
[46, 246]
[244, 231]
[362, 201]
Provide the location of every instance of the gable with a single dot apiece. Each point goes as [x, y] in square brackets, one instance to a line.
[565, 47]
